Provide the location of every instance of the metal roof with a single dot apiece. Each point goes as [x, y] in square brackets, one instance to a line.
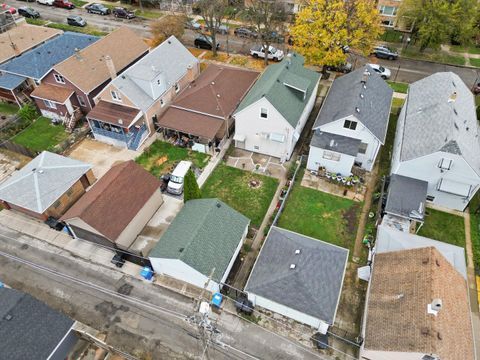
[313, 286]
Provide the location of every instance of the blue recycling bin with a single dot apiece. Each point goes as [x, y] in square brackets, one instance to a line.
[147, 273]
[217, 299]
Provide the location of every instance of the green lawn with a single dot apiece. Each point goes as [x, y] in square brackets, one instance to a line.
[474, 208]
[233, 186]
[38, 22]
[398, 86]
[437, 56]
[8, 109]
[444, 227]
[386, 150]
[397, 103]
[79, 3]
[471, 49]
[391, 35]
[161, 157]
[474, 62]
[320, 215]
[148, 14]
[90, 30]
[41, 135]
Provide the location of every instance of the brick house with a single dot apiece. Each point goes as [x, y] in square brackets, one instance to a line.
[126, 108]
[47, 186]
[68, 90]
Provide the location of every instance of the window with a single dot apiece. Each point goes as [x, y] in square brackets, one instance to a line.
[430, 198]
[69, 192]
[159, 82]
[445, 164]
[162, 103]
[50, 104]
[115, 96]
[59, 78]
[81, 101]
[389, 23]
[263, 113]
[56, 204]
[388, 10]
[330, 155]
[177, 88]
[349, 124]
[256, 147]
[362, 149]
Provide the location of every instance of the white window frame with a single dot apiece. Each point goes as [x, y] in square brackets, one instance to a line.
[262, 112]
[59, 78]
[445, 164]
[351, 122]
[362, 150]
[81, 101]
[331, 155]
[115, 96]
[49, 104]
[382, 9]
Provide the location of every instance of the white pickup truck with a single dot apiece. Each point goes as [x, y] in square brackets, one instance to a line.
[274, 54]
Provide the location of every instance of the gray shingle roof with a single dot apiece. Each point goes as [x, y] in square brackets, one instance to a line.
[345, 96]
[406, 197]
[204, 235]
[390, 239]
[10, 81]
[42, 181]
[434, 123]
[277, 85]
[313, 287]
[36, 63]
[34, 329]
[170, 58]
[334, 142]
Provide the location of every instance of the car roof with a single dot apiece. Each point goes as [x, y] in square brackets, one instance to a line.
[76, 17]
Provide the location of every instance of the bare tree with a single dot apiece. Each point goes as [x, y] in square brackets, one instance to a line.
[267, 17]
[213, 13]
[165, 27]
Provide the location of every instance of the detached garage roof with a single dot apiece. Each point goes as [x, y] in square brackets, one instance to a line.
[300, 272]
[204, 235]
[29, 329]
[42, 181]
[114, 200]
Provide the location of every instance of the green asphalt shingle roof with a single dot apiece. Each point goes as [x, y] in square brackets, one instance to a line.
[276, 84]
[204, 235]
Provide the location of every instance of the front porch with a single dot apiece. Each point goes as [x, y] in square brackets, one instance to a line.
[15, 89]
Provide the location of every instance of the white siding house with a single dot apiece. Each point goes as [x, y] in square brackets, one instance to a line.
[352, 122]
[437, 140]
[271, 117]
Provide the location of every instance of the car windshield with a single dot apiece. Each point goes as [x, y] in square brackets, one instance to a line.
[273, 50]
[176, 179]
[381, 68]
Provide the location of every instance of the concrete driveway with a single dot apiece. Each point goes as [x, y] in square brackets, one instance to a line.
[102, 156]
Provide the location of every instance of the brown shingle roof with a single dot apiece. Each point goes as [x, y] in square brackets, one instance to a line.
[111, 113]
[191, 123]
[114, 200]
[24, 37]
[52, 92]
[217, 91]
[88, 69]
[403, 284]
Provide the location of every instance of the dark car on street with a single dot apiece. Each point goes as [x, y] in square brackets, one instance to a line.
[274, 36]
[343, 68]
[245, 33]
[243, 305]
[97, 8]
[202, 42]
[63, 4]
[384, 52]
[123, 13]
[76, 20]
[28, 12]
[54, 223]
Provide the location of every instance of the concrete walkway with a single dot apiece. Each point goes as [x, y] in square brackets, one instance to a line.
[212, 164]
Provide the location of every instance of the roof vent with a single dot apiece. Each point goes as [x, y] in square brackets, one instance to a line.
[292, 266]
[34, 169]
[436, 304]
[362, 96]
[219, 205]
[437, 262]
[452, 97]
[213, 82]
[297, 252]
[40, 171]
[218, 95]
[400, 296]
[365, 86]
[169, 41]
[181, 249]
[357, 109]
[120, 121]
[425, 261]
[8, 317]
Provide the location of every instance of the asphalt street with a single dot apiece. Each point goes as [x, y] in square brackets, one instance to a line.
[403, 70]
[137, 316]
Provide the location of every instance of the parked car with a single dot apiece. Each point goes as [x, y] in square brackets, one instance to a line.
[204, 42]
[124, 13]
[28, 12]
[55, 223]
[223, 29]
[245, 33]
[76, 20]
[65, 4]
[242, 304]
[274, 54]
[9, 9]
[165, 178]
[97, 8]
[45, 2]
[118, 260]
[274, 37]
[384, 52]
[320, 341]
[343, 68]
[384, 72]
[193, 25]
[476, 88]
[175, 184]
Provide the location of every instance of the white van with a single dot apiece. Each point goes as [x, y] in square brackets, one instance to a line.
[175, 184]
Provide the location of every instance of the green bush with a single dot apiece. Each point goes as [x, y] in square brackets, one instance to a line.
[191, 190]
[28, 113]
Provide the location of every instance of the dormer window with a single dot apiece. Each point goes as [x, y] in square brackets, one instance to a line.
[445, 164]
[349, 124]
[59, 78]
[263, 113]
[115, 95]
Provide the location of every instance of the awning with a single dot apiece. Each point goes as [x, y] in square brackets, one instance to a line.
[239, 137]
[10, 81]
[454, 187]
[114, 114]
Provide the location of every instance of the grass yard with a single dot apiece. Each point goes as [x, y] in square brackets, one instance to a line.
[79, 3]
[398, 86]
[474, 208]
[8, 109]
[148, 14]
[474, 62]
[437, 56]
[320, 215]
[444, 227]
[471, 49]
[391, 35]
[160, 157]
[386, 150]
[233, 186]
[41, 135]
[89, 30]
[38, 22]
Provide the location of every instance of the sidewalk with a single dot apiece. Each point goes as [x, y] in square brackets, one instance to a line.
[212, 164]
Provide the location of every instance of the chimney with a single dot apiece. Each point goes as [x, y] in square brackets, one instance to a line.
[191, 72]
[110, 66]
[77, 54]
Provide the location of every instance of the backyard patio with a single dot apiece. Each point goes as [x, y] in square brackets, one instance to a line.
[262, 164]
